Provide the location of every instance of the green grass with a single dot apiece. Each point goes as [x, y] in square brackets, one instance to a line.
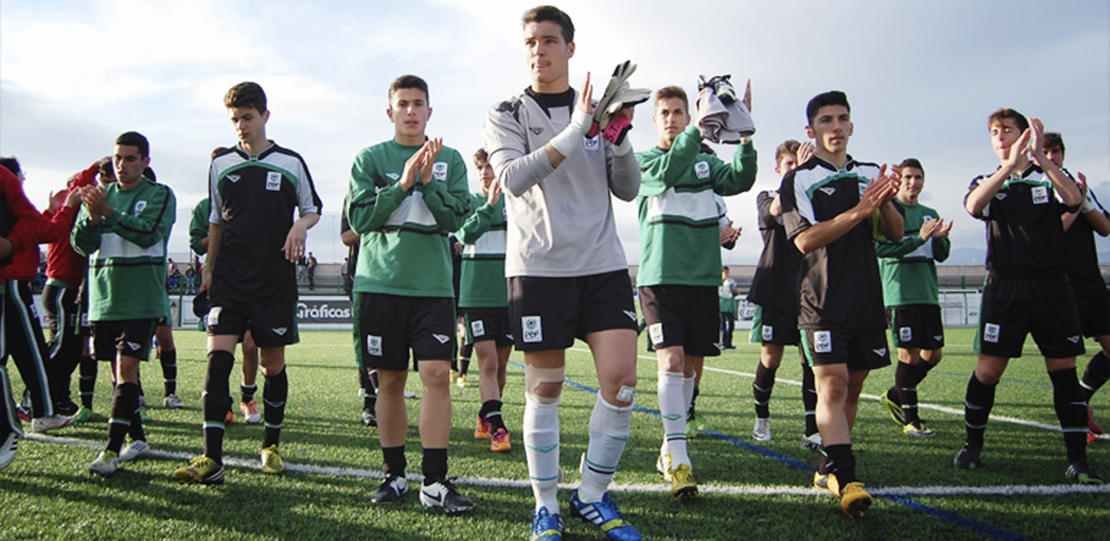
[47, 492]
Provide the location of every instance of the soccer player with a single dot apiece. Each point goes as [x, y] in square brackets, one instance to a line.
[774, 291]
[19, 222]
[910, 293]
[679, 257]
[832, 205]
[405, 195]
[1027, 288]
[198, 241]
[1091, 296]
[86, 381]
[484, 301]
[254, 189]
[367, 377]
[123, 229]
[727, 292]
[567, 274]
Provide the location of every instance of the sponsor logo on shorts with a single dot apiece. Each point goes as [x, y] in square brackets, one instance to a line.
[273, 181]
[938, 337]
[592, 143]
[1040, 195]
[905, 334]
[822, 341]
[532, 328]
[509, 336]
[828, 190]
[991, 332]
[880, 352]
[84, 320]
[139, 207]
[1074, 339]
[393, 176]
[631, 315]
[536, 130]
[655, 331]
[441, 338]
[701, 169]
[374, 345]
[133, 346]
[477, 328]
[439, 170]
[214, 316]
[280, 331]
[768, 333]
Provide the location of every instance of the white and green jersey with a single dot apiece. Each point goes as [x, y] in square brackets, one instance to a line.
[908, 266]
[680, 241]
[483, 257]
[404, 248]
[127, 252]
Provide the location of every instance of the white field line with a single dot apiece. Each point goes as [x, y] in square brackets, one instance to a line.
[753, 490]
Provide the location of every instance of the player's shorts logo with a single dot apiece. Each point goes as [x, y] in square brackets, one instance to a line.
[273, 181]
[881, 352]
[214, 316]
[655, 331]
[477, 328]
[701, 169]
[1040, 195]
[991, 332]
[905, 334]
[822, 341]
[533, 329]
[768, 333]
[374, 345]
[439, 171]
[441, 338]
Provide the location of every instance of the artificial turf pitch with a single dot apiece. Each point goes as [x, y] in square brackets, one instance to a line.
[750, 489]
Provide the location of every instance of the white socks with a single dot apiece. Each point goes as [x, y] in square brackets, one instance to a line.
[541, 449]
[610, 427]
[673, 403]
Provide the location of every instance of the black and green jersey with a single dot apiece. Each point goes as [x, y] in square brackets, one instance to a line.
[483, 256]
[255, 197]
[775, 283]
[908, 266]
[198, 226]
[404, 234]
[127, 252]
[680, 240]
[1082, 259]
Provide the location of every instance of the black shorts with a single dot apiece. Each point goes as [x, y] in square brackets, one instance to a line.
[777, 327]
[1015, 307]
[484, 324]
[916, 326]
[686, 316]
[391, 325]
[549, 313]
[860, 350]
[1092, 301]
[271, 326]
[129, 338]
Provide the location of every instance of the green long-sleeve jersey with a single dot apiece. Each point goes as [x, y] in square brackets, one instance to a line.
[908, 266]
[404, 247]
[680, 240]
[198, 226]
[483, 258]
[127, 252]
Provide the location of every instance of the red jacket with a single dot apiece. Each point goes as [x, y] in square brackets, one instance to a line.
[19, 220]
[63, 263]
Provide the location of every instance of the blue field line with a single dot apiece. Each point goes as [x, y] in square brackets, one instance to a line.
[908, 502]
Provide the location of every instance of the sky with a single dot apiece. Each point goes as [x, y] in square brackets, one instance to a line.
[922, 77]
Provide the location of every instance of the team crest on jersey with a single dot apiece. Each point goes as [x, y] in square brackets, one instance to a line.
[701, 169]
[374, 345]
[862, 187]
[828, 190]
[139, 206]
[477, 328]
[273, 181]
[532, 328]
[592, 143]
[768, 333]
[439, 171]
[991, 332]
[905, 334]
[656, 333]
[536, 130]
[822, 342]
[393, 176]
[927, 218]
[1040, 195]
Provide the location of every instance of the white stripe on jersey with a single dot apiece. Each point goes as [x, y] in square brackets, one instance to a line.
[490, 243]
[697, 206]
[113, 245]
[412, 210]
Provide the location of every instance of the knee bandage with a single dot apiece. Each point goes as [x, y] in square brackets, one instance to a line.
[534, 377]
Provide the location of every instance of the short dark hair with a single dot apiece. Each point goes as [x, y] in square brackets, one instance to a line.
[825, 99]
[246, 94]
[788, 147]
[149, 173]
[481, 156]
[1006, 112]
[1054, 140]
[540, 14]
[11, 163]
[409, 81]
[911, 162]
[135, 139]
[673, 91]
[104, 166]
